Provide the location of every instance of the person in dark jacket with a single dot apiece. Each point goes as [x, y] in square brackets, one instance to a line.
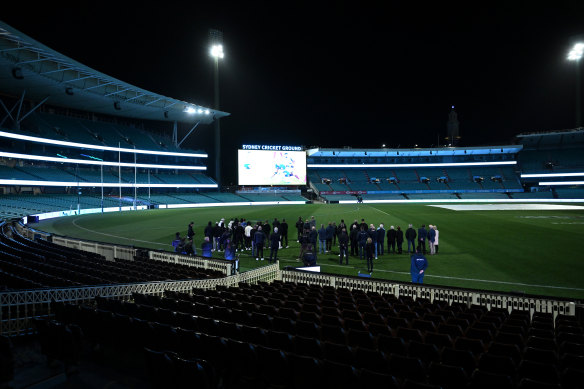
[341, 226]
[224, 237]
[363, 235]
[259, 239]
[330, 232]
[363, 224]
[344, 247]
[216, 236]
[238, 237]
[274, 245]
[411, 238]
[369, 251]
[266, 229]
[308, 254]
[190, 231]
[380, 239]
[422, 234]
[354, 238]
[399, 239]
[372, 233]
[322, 239]
[307, 226]
[299, 228]
[418, 266]
[209, 230]
[284, 233]
[189, 248]
[276, 223]
[391, 237]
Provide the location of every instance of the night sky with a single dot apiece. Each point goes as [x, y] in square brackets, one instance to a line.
[346, 74]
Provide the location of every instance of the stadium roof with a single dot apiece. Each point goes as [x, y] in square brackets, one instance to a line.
[29, 68]
[416, 152]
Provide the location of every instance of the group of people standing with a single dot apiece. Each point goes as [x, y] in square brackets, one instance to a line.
[431, 235]
[357, 239]
[237, 235]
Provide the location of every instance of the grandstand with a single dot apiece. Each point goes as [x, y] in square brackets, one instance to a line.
[491, 172]
[103, 313]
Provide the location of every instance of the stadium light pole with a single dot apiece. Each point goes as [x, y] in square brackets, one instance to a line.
[216, 38]
[575, 55]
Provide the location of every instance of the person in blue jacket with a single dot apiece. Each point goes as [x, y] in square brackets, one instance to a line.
[206, 247]
[259, 239]
[230, 249]
[431, 239]
[418, 266]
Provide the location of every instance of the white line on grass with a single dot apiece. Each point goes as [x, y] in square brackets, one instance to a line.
[377, 209]
[457, 278]
[115, 236]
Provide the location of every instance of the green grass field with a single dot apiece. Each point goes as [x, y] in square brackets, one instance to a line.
[536, 252]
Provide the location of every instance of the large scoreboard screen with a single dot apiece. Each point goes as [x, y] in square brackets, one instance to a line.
[276, 166]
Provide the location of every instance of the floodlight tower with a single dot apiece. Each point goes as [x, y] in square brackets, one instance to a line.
[216, 41]
[575, 55]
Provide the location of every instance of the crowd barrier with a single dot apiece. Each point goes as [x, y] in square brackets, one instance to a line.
[436, 293]
[19, 308]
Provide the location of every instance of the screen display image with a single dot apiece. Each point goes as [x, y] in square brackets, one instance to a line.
[263, 167]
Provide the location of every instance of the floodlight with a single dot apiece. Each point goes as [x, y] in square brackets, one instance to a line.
[190, 110]
[217, 51]
[577, 51]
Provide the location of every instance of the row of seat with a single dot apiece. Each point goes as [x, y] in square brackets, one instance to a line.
[415, 361]
[36, 264]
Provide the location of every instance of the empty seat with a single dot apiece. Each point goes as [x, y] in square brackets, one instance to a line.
[406, 367]
[439, 340]
[497, 364]
[540, 355]
[372, 379]
[484, 380]
[541, 343]
[537, 372]
[274, 366]
[476, 346]
[307, 371]
[447, 376]
[338, 353]
[424, 351]
[335, 334]
[339, 375]
[374, 360]
[409, 334]
[453, 330]
[391, 345]
[280, 340]
[361, 339]
[307, 346]
[506, 349]
[462, 358]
